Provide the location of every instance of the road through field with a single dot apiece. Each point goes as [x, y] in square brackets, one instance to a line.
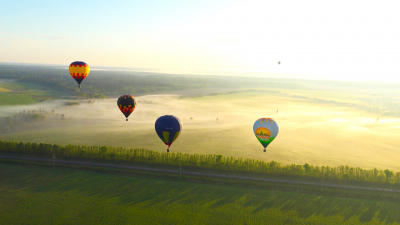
[197, 173]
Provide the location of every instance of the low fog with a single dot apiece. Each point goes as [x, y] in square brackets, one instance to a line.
[310, 131]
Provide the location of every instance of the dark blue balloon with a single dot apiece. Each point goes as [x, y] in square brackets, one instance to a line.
[168, 128]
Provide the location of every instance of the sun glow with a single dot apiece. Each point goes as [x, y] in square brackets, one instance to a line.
[318, 40]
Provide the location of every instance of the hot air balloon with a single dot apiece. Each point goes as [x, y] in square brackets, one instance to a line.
[168, 129]
[266, 130]
[79, 71]
[126, 103]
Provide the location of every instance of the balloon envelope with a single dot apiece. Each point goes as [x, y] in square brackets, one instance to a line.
[126, 103]
[79, 71]
[168, 128]
[266, 130]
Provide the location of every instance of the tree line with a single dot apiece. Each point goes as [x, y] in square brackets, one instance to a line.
[210, 161]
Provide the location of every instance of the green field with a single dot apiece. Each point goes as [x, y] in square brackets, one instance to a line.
[40, 195]
[7, 98]
[21, 93]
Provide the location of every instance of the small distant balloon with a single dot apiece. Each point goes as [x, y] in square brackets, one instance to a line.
[265, 130]
[168, 128]
[126, 103]
[79, 71]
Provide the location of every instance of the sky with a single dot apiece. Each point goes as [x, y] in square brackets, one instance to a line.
[341, 39]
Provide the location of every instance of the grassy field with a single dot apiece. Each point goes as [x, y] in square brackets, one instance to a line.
[20, 93]
[7, 98]
[310, 132]
[4, 89]
[38, 195]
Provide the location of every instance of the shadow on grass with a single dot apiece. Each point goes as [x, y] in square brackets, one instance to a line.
[128, 190]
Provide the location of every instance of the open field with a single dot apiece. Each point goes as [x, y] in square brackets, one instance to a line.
[37, 195]
[4, 89]
[20, 93]
[7, 98]
[310, 132]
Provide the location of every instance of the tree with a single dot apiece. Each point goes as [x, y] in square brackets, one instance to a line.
[307, 167]
[388, 174]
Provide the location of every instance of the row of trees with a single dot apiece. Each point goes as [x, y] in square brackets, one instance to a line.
[215, 162]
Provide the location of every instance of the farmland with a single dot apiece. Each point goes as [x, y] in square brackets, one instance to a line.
[15, 99]
[37, 195]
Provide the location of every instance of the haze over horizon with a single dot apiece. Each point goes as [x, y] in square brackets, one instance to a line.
[341, 40]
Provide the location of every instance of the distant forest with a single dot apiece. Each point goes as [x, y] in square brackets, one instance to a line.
[214, 162]
[379, 97]
[113, 83]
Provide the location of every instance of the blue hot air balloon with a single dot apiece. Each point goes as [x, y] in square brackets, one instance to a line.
[168, 129]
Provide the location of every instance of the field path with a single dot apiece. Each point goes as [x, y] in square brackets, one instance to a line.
[199, 174]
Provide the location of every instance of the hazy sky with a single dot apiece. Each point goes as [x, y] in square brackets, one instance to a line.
[343, 39]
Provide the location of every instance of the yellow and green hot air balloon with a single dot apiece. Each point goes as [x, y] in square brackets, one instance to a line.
[266, 130]
[79, 71]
